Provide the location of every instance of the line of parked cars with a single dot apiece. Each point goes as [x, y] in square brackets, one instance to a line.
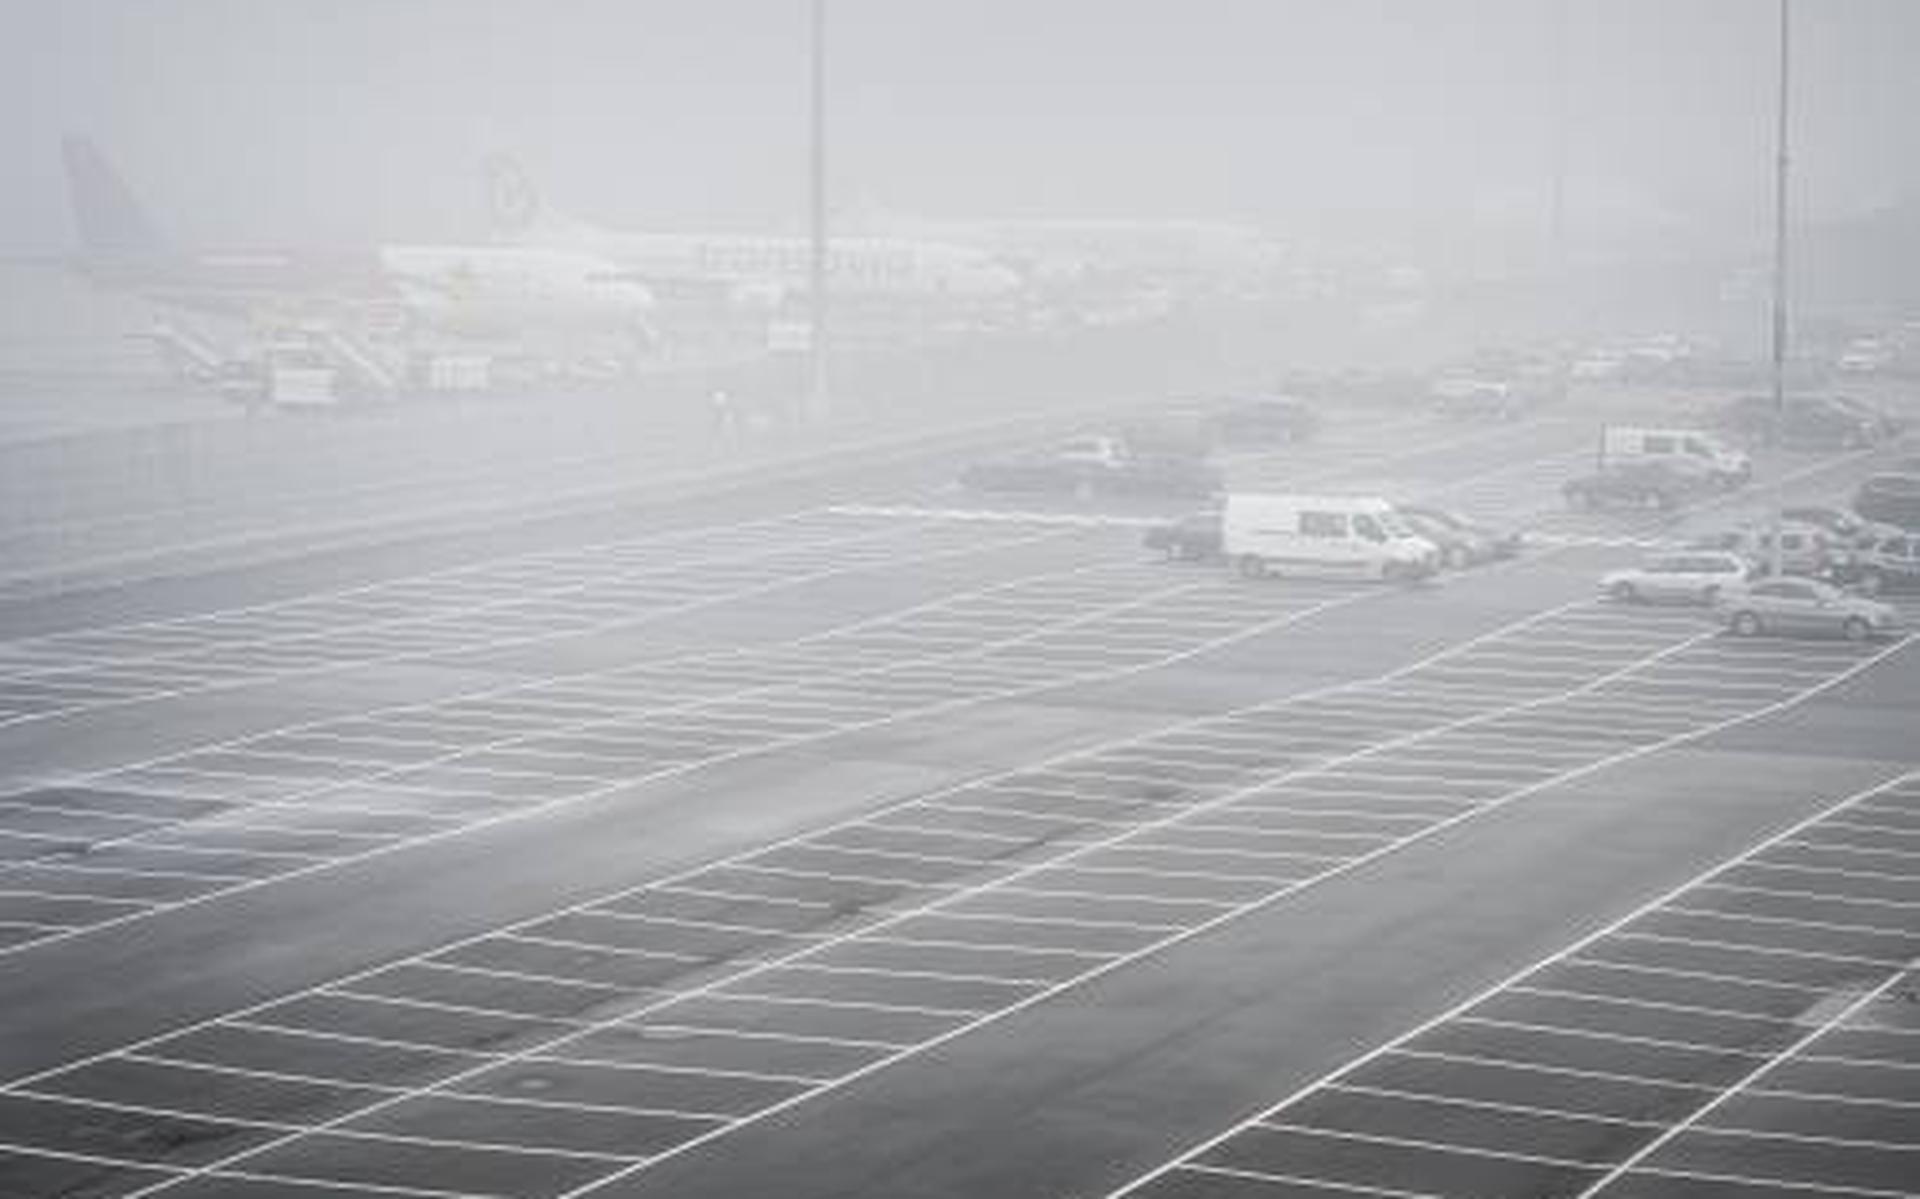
[1821, 422]
[1832, 565]
[1338, 536]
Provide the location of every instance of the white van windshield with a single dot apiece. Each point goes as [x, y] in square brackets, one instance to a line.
[1366, 527]
[1394, 525]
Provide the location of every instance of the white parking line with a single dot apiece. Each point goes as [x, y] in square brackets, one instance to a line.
[1570, 954]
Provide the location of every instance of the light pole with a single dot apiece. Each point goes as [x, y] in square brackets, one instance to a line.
[816, 402]
[1562, 292]
[1780, 287]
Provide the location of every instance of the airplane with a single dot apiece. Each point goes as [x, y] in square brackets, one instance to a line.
[479, 290]
[751, 272]
[1064, 251]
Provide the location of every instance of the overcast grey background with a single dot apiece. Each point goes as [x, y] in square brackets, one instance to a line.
[338, 121]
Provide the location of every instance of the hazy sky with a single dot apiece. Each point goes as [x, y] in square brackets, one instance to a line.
[250, 121]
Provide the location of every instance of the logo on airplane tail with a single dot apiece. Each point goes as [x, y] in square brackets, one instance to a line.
[513, 204]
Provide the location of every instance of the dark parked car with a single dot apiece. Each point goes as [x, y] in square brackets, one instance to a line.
[1887, 424]
[1469, 397]
[1462, 542]
[1633, 485]
[1892, 498]
[1193, 538]
[1888, 564]
[1814, 422]
[1095, 465]
[1264, 420]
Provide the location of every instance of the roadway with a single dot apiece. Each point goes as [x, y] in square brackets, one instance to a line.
[911, 845]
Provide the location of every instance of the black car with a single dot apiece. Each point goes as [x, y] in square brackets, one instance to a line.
[1462, 542]
[1886, 424]
[1891, 498]
[1193, 538]
[1632, 485]
[1813, 422]
[1888, 564]
[1163, 475]
[1264, 420]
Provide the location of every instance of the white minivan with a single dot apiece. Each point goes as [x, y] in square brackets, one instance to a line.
[1685, 451]
[1326, 536]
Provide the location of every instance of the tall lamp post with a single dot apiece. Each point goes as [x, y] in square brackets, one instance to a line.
[816, 398]
[1780, 284]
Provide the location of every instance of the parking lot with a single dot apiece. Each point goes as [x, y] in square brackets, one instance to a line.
[1751, 1033]
[590, 1042]
[581, 1047]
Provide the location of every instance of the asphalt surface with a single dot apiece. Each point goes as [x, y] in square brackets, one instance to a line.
[909, 843]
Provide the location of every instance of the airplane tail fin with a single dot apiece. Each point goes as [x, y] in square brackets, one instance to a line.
[513, 202]
[110, 220]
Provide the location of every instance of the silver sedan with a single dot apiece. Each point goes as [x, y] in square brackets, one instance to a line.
[1804, 607]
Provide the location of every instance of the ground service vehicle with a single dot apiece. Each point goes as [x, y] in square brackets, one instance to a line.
[1193, 538]
[1684, 451]
[1682, 578]
[1325, 536]
[1806, 607]
[1633, 485]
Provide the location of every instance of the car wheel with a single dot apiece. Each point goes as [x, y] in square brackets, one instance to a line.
[1746, 624]
[1623, 592]
[1253, 566]
[1855, 629]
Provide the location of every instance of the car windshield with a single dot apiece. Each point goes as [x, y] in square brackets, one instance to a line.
[1392, 525]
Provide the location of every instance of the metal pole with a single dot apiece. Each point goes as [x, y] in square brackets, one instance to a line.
[1562, 298]
[1780, 285]
[816, 401]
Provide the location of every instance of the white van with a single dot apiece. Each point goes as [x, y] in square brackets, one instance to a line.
[1685, 451]
[1331, 536]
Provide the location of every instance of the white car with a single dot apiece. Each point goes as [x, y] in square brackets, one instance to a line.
[1693, 577]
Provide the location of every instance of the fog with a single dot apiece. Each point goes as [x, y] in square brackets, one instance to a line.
[348, 120]
[1237, 598]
